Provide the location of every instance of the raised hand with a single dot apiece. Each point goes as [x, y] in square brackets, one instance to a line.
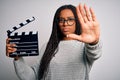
[89, 25]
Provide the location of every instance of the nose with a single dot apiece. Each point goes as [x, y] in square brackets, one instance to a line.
[65, 23]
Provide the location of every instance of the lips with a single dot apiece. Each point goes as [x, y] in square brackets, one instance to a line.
[65, 30]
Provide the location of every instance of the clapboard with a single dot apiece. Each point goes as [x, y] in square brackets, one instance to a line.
[26, 44]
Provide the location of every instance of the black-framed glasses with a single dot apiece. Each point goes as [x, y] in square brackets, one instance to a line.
[70, 21]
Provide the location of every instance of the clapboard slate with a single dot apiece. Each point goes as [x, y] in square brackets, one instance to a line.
[26, 44]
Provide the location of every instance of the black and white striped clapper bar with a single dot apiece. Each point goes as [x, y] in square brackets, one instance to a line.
[26, 44]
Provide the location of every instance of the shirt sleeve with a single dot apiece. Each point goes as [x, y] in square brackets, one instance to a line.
[93, 52]
[26, 72]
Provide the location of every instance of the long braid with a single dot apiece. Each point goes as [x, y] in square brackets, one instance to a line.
[48, 54]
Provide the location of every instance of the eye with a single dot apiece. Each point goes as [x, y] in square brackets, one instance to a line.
[71, 19]
[61, 19]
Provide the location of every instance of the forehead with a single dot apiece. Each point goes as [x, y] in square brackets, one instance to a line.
[66, 13]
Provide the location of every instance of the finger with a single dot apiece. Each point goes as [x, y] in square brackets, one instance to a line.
[93, 14]
[87, 13]
[9, 48]
[10, 51]
[74, 36]
[10, 45]
[7, 40]
[82, 11]
[79, 15]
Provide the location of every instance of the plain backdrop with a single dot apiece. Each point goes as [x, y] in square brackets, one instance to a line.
[13, 12]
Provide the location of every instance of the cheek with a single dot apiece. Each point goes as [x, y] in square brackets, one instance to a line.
[60, 27]
[73, 28]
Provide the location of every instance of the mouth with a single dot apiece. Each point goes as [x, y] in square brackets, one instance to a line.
[65, 30]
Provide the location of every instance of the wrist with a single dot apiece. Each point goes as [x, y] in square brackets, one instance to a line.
[16, 58]
[94, 43]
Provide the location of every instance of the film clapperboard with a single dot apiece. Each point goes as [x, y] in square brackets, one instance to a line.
[26, 44]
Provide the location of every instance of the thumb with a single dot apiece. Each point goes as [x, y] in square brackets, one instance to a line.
[74, 36]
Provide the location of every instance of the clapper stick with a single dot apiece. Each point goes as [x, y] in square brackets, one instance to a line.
[20, 25]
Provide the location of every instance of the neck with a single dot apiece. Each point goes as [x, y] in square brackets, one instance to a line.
[66, 38]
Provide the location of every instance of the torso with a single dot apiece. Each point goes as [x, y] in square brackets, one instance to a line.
[68, 62]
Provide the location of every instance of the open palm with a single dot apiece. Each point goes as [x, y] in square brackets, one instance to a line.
[89, 25]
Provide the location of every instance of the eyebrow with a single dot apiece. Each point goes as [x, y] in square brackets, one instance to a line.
[68, 17]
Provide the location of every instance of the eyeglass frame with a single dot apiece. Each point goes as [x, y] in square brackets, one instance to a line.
[64, 20]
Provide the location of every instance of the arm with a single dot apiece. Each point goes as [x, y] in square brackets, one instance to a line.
[93, 52]
[90, 32]
[25, 72]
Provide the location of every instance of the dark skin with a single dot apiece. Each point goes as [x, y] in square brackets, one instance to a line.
[89, 25]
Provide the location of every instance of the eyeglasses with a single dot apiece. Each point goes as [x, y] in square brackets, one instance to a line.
[70, 21]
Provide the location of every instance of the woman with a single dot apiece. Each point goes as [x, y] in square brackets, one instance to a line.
[71, 50]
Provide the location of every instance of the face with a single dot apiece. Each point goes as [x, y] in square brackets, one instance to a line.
[67, 22]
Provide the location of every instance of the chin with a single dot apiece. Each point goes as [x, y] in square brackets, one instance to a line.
[66, 33]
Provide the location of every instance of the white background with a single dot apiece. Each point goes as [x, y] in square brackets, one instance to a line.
[13, 12]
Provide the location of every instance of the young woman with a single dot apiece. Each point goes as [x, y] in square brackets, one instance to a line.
[71, 50]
